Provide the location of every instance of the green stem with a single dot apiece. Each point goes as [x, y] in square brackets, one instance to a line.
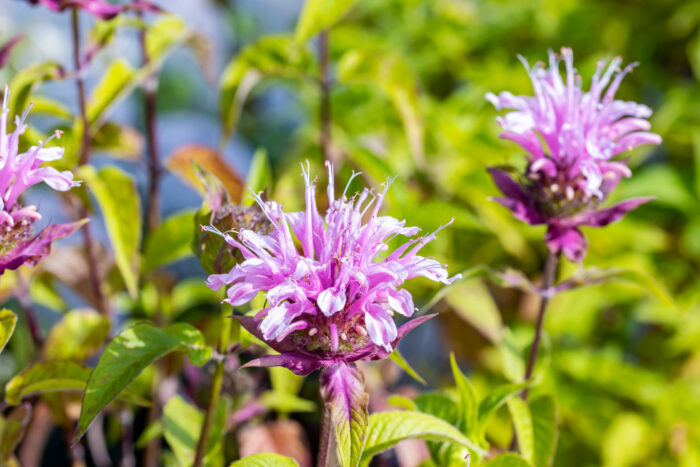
[203, 442]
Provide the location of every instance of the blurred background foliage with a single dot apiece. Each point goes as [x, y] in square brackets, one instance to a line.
[406, 93]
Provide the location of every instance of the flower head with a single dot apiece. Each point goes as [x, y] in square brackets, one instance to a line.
[18, 171]
[572, 138]
[100, 8]
[331, 284]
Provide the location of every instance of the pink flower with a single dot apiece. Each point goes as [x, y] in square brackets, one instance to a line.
[100, 8]
[572, 137]
[332, 298]
[19, 171]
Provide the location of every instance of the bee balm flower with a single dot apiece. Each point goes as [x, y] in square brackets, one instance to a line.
[18, 242]
[333, 299]
[572, 138]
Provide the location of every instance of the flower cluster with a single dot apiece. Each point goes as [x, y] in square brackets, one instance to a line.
[18, 171]
[100, 8]
[572, 137]
[331, 285]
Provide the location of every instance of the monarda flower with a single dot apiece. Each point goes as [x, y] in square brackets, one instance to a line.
[18, 242]
[332, 299]
[99, 8]
[572, 138]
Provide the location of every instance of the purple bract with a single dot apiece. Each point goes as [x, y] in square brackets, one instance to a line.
[334, 300]
[18, 171]
[100, 8]
[572, 137]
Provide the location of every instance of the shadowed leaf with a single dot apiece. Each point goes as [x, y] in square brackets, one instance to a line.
[77, 336]
[12, 430]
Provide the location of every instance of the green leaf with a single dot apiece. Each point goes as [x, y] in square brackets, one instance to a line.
[259, 174]
[286, 403]
[497, 398]
[265, 459]
[439, 404]
[127, 355]
[320, 14]
[118, 141]
[508, 459]
[8, 320]
[270, 56]
[25, 83]
[12, 430]
[152, 431]
[77, 336]
[343, 391]
[473, 302]
[110, 89]
[46, 106]
[389, 72]
[467, 397]
[170, 241]
[182, 425]
[386, 429]
[118, 198]
[397, 358]
[544, 421]
[53, 376]
[522, 422]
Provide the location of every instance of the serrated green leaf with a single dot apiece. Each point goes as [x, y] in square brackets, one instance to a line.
[522, 422]
[386, 429]
[182, 426]
[265, 459]
[12, 430]
[110, 88]
[77, 336]
[170, 241]
[8, 320]
[544, 421]
[397, 358]
[271, 56]
[127, 355]
[318, 15]
[508, 459]
[118, 198]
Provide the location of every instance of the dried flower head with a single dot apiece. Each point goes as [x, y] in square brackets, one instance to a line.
[572, 137]
[333, 298]
[18, 171]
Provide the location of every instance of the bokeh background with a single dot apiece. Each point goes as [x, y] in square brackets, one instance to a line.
[407, 99]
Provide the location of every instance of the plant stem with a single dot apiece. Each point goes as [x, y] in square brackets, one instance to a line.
[324, 443]
[93, 271]
[550, 270]
[325, 84]
[203, 441]
[149, 89]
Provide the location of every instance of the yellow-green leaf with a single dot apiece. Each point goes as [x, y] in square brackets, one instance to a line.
[78, 335]
[320, 14]
[8, 320]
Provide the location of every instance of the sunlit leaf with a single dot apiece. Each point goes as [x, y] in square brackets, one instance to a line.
[77, 336]
[318, 15]
[386, 429]
[508, 459]
[170, 241]
[522, 422]
[26, 81]
[47, 106]
[544, 421]
[127, 355]
[118, 198]
[265, 459]
[8, 320]
[118, 77]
